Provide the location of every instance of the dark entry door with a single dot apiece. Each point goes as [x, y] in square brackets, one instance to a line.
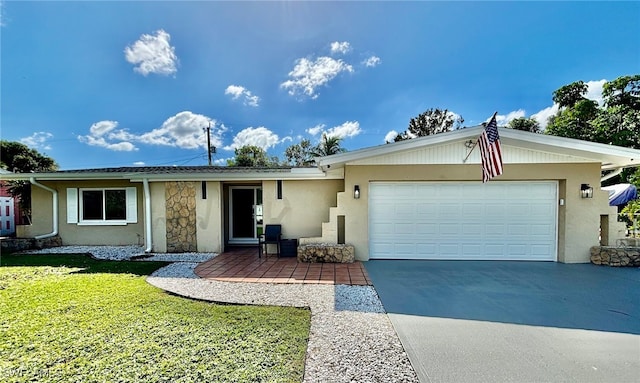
[244, 219]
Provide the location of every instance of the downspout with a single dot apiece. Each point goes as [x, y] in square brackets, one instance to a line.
[55, 209]
[147, 217]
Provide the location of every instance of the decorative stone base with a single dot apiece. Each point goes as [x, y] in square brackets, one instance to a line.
[326, 253]
[616, 256]
[11, 245]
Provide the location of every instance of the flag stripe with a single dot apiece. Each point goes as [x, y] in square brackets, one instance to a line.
[490, 151]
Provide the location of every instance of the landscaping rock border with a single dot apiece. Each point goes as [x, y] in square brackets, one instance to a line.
[326, 253]
[616, 256]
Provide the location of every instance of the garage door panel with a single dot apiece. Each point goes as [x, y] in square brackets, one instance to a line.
[518, 229]
[404, 228]
[448, 249]
[448, 229]
[472, 229]
[472, 250]
[496, 229]
[426, 210]
[431, 220]
[427, 229]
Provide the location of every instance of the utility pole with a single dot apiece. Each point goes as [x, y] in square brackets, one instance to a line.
[208, 128]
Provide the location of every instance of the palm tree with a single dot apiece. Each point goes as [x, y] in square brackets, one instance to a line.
[328, 145]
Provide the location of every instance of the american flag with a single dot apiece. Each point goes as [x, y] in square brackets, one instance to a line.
[490, 152]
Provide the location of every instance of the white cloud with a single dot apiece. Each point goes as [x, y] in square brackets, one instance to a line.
[503, 120]
[316, 129]
[308, 75]
[543, 116]
[96, 137]
[100, 128]
[340, 47]
[103, 143]
[152, 54]
[390, 136]
[184, 130]
[139, 163]
[347, 129]
[372, 61]
[237, 91]
[594, 91]
[2, 14]
[38, 140]
[260, 137]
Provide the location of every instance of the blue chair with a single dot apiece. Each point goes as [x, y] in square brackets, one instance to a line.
[272, 236]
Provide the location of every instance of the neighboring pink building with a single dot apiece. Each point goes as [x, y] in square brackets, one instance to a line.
[10, 214]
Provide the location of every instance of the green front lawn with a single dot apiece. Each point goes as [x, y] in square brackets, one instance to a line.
[72, 318]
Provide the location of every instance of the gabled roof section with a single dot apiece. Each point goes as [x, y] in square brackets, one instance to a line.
[518, 147]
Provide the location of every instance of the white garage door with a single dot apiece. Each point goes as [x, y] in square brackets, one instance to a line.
[470, 221]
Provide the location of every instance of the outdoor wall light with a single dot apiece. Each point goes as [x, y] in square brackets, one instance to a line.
[356, 192]
[586, 191]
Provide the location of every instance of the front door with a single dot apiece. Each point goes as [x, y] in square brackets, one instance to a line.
[7, 219]
[245, 214]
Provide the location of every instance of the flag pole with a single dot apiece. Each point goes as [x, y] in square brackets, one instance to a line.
[464, 161]
[470, 151]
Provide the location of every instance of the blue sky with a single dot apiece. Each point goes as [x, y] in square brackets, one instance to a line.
[107, 84]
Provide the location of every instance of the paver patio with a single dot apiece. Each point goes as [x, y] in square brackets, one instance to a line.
[243, 265]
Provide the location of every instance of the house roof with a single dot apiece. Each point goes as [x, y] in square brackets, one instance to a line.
[179, 173]
[609, 156]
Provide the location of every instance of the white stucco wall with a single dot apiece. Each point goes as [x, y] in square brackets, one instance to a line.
[209, 217]
[304, 205]
[158, 217]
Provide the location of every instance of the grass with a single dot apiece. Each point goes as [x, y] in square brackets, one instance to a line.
[71, 318]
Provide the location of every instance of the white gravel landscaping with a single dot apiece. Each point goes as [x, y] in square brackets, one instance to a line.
[124, 253]
[351, 337]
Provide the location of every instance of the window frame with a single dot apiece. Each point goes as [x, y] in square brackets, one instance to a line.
[75, 206]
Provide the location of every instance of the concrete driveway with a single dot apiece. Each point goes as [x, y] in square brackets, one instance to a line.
[468, 321]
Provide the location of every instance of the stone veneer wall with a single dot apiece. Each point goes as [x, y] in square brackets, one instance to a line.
[616, 256]
[326, 253]
[181, 217]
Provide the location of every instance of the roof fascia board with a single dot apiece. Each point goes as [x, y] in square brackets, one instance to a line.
[565, 143]
[415, 143]
[294, 174]
[319, 175]
[618, 156]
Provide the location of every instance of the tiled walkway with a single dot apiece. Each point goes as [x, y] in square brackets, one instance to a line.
[243, 265]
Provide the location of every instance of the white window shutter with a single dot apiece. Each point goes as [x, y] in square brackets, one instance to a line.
[72, 205]
[132, 205]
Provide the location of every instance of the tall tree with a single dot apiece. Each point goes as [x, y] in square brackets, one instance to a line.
[328, 145]
[526, 124]
[19, 158]
[300, 154]
[252, 156]
[432, 121]
[623, 91]
[575, 121]
[616, 123]
[568, 95]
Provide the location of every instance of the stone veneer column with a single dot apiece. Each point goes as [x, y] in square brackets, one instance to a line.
[181, 217]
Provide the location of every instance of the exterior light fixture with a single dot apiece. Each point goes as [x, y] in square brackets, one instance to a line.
[356, 192]
[586, 191]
